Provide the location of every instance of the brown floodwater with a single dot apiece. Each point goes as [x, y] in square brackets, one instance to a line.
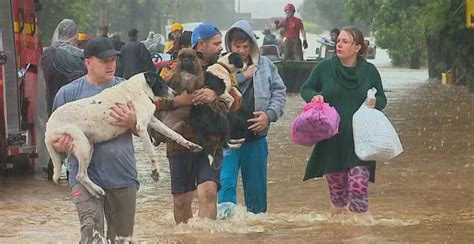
[423, 196]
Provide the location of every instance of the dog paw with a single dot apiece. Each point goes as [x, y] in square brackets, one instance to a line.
[155, 175]
[217, 159]
[235, 143]
[98, 192]
[193, 147]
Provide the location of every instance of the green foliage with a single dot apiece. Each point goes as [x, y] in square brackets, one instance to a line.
[310, 27]
[411, 30]
[328, 14]
[397, 27]
[401, 32]
[309, 11]
[436, 15]
[416, 31]
[458, 40]
[145, 15]
[325, 13]
[363, 10]
[55, 11]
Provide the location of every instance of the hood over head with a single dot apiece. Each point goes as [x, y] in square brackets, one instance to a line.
[245, 26]
[66, 31]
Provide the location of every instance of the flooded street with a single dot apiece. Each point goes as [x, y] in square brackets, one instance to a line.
[424, 195]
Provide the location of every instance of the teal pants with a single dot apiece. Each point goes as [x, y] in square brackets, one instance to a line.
[251, 158]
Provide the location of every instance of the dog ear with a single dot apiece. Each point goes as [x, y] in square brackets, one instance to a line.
[151, 78]
[236, 60]
[214, 83]
[199, 55]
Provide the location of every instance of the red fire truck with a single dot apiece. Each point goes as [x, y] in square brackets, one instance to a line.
[20, 51]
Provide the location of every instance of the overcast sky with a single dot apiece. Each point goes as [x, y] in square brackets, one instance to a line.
[265, 8]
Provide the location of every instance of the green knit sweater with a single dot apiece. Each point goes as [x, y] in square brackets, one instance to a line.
[345, 88]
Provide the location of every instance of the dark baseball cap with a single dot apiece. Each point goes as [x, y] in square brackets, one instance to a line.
[100, 47]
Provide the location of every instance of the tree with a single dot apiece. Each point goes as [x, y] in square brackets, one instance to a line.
[103, 15]
[450, 42]
[397, 27]
[422, 30]
[145, 15]
[55, 11]
[328, 14]
[364, 10]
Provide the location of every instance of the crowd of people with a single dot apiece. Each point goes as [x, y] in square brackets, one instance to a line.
[104, 61]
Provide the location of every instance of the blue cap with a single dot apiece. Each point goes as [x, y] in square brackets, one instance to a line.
[203, 32]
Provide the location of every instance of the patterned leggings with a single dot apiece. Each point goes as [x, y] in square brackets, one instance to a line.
[350, 187]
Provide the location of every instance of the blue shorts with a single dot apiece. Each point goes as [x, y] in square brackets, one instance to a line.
[189, 169]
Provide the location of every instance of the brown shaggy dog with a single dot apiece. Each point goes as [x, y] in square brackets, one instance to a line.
[187, 76]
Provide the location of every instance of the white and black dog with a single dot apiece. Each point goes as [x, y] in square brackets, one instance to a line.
[87, 121]
[210, 119]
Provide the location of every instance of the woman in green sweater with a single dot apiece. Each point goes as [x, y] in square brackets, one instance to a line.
[343, 82]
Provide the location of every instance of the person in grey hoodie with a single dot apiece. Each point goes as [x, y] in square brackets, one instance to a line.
[263, 101]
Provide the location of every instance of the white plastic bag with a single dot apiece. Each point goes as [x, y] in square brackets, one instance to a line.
[375, 139]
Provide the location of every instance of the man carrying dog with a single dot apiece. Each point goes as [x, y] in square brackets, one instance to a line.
[61, 63]
[113, 165]
[190, 171]
[263, 101]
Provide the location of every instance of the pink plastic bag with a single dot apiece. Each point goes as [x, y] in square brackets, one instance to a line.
[318, 121]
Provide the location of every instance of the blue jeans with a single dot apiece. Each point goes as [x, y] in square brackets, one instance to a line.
[251, 157]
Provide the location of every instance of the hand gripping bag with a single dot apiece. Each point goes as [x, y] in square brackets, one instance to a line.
[375, 138]
[318, 121]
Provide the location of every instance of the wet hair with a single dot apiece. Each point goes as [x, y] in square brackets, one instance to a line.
[115, 36]
[238, 36]
[357, 38]
[117, 41]
[170, 36]
[335, 30]
[133, 33]
[66, 31]
[184, 40]
[67, 27]
[102, 31]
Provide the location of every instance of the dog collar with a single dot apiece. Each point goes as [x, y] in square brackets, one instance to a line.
[225, 67]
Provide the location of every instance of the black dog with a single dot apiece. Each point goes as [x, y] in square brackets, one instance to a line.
[238, 120]
[209, 121]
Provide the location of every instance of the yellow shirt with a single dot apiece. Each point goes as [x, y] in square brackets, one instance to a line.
[165, 71]
[168, 46]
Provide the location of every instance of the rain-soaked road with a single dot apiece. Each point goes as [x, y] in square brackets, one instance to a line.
[424, 195]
